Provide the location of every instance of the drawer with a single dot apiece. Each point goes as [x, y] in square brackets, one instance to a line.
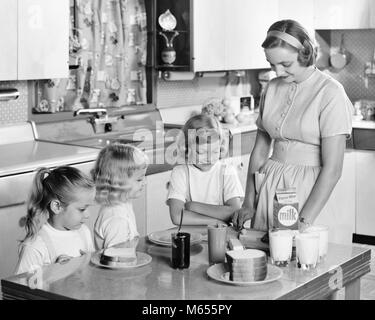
[15, 189]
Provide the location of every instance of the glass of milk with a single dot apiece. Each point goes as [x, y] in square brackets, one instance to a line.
[307, 250]
[323, 239]
[281, 243]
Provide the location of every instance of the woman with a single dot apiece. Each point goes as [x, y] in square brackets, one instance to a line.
[307, 116]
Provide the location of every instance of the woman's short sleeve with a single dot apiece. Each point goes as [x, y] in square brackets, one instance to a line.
[336, 115]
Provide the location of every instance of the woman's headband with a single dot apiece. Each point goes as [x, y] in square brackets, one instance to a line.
[294, 42]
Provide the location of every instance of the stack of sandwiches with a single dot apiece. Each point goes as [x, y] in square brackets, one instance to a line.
[247, 265]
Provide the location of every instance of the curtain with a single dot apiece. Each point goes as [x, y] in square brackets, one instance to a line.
[108, 45]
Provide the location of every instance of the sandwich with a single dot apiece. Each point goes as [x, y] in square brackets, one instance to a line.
[118, 257]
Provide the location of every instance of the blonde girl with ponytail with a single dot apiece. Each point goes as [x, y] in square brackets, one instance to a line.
[56, 211]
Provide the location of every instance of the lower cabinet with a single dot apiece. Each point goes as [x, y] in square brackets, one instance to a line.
[365, 192]
[342, 218]
[241, 163]
[158, 217]
[12, 230]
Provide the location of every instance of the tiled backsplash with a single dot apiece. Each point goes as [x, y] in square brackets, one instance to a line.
[361, 45]
[197, 91]
[14, 111]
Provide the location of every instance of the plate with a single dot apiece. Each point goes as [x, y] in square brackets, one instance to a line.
[142, 260]
[220, 272]
[163, 238]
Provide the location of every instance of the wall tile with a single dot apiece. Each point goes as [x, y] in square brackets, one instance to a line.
[14, 111]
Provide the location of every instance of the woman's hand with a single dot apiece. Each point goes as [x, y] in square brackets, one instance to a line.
[240, 216]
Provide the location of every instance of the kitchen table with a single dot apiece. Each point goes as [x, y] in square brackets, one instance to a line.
[80, 279]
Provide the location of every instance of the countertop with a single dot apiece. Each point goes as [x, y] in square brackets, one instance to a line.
[27, 156]
[81, 279]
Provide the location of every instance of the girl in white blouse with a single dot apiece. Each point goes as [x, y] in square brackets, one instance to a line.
[204, 189]
[307, 115]
[57, 209]
[119, 175]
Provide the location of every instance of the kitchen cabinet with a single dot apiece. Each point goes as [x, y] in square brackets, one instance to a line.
[158, 217]
[241, 164]
[365, 186]
[8, 36]
[334, 14]
[35, 39]
[227, 35]
[343, 201]
[293, 9]
[12, 231]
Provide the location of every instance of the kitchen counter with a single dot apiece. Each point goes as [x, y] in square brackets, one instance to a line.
[81, 279]
[27, 156]
[363, 124]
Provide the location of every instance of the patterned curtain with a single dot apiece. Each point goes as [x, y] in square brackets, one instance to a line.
[108, 44]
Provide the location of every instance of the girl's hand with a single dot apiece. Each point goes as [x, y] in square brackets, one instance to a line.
[240, 216]
[63, 259]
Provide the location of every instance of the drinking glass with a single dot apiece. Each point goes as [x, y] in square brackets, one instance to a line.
[323, 239]
[307, 250]
[281, 244]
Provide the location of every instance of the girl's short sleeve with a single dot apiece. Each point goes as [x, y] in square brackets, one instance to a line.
[177, 185]
[336, 115]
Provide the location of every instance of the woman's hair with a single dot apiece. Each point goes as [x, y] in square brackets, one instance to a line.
[115, 163]
[191, 131]
[307, 54]
[59, 184]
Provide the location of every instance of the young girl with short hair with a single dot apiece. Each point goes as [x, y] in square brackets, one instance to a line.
[204, 188]
[119, 175]
[57, 209]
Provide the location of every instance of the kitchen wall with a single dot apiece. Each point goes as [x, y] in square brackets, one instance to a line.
[14, 111]
[361, 45]
[197, 91]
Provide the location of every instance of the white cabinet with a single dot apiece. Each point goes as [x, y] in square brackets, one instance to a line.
[301, 12]
[8, 36]
[227, 35]
[343, 203]
[35, 39]
[157, 216]
[241, 163]
[365, 182]
[338, 14]
[208, 35]
[12, 230]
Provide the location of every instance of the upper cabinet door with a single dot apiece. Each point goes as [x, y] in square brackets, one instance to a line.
[208, 34]
[338, 14]
[256, 22]
[8, 36]
[293, 9]
[246, 29]
[43, 39]
[227, 35]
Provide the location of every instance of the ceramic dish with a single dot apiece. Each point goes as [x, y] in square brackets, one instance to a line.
[220, 272]
[163, 238]
[142, 260]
